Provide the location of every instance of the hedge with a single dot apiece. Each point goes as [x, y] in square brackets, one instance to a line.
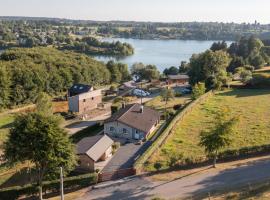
[74, 182]
[167, 130]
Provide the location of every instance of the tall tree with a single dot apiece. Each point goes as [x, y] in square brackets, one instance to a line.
[219, 136]
[38, 138]
[44, 104]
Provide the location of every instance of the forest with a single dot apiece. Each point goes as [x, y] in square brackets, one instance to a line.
[25, 72]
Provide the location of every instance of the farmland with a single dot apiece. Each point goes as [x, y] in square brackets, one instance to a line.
[252, 106]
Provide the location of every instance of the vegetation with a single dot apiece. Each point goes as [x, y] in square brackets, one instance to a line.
[27, 72]
[91, 45]
[198, 90]
[38, 138]
[141, 72]
[219, 136]
[167, 94]
[251, 131]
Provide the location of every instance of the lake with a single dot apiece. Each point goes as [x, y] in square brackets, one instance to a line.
[162, 53]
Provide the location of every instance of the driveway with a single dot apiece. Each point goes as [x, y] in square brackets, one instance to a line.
[125, 156]
[202, 183]
[77, 126]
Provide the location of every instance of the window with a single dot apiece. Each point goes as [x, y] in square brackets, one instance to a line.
[84, 100]
[111, 129]
[136, 131]
[125, 131]
[92, 98]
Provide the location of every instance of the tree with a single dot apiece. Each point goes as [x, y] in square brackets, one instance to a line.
[198, 90]
[5, 84]
[217, 46]
[184, 67]
[44, 104]
[171, 71]
[141, 72]
[38, 138]
[167, 94]
[244, 74]
[219, 136]
[209, 67]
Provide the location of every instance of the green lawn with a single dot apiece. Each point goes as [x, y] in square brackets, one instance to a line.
[253, 107]
[158, 103]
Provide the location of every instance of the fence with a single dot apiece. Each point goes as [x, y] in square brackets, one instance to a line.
[116, 174]
[167, 130]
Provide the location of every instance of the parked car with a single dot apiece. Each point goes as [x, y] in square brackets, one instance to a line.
[185, 91]
[140, 93]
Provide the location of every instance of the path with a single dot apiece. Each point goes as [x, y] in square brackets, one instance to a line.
[201, 182]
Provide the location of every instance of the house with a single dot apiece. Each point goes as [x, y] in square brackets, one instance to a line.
[83, 98]
[126, 88]
[132, 122]
[92, 150]
[180, 79]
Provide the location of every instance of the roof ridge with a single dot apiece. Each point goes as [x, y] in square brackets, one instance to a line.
[126, 111]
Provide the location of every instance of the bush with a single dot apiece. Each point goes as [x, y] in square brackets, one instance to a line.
[261, 80]
[74, 182]
[177, 106]
[117, 100]
[198, 90]
[115, 107]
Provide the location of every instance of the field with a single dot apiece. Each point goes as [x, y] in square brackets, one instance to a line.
[253, 108]
[158, 103]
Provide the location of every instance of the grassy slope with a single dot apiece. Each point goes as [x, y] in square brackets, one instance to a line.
[253, 129]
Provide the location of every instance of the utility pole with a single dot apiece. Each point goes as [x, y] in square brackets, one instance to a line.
[141, 92]
[61, 184]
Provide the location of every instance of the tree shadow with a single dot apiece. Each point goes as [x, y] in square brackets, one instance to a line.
[244, 92]
[229, 179]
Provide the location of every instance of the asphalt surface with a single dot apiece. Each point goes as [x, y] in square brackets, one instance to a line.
[201, 183]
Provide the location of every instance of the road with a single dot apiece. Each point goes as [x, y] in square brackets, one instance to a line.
[200, 183]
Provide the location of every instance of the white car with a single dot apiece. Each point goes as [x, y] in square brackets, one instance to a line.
[141, 93]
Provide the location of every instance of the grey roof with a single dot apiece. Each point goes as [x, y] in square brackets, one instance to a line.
[94, 146]
[179, 76]
[79, 89]
[131, 116]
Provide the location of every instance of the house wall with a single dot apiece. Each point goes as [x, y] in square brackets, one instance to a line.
[73, 104]
[118, 130]
[107, 154]
[178, 81]
[85, 102]
[86, 163]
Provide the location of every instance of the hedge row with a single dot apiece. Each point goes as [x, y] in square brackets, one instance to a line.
[167, 130]
[49, 186]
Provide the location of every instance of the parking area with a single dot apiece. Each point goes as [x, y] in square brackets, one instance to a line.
[125, 156]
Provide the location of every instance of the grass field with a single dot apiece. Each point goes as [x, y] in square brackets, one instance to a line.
[158, 103]
[253, 108]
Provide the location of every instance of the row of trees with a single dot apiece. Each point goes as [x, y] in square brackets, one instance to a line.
[24, 73]
[217, 66]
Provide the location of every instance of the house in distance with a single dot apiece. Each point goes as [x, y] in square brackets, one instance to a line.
[83, 98]
[133, 121]
[180, 79]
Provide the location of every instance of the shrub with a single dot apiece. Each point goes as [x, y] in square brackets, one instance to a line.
[177, 106]
[117, 100]
[115, 107]
[198, 90]
[74, 182]
[178, 94]
[158, 166]
[261, 80]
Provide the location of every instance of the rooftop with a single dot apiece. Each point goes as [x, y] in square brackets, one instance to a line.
[79, 89]
[132, 116]
[94, 146]
[179, 76]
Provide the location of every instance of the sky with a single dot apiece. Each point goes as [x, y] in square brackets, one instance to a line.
[142, 10]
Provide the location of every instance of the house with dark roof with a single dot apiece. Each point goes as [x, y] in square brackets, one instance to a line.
[180, 79]
[83, 98]
[132, 122]
[92, 150]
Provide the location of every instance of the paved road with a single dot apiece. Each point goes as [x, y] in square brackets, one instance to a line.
[200, 183]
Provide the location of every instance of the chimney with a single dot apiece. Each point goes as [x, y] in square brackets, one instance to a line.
[141, 109]
[123, 105]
